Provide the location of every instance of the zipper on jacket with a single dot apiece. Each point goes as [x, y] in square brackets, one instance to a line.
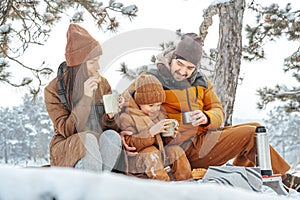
[196, 94]
[188, 98]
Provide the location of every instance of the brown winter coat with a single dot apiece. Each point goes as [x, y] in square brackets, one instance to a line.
[66, 146]
[133, 119]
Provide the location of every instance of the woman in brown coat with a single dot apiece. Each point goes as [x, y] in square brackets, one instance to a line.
[144, 118]
[85, 137]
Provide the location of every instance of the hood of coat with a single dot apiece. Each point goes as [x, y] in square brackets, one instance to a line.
[164, 70]
[129, 100]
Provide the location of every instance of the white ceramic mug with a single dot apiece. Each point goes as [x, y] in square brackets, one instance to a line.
[111, 103]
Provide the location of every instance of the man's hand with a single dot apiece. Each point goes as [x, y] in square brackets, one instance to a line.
[131, 151]
[198, 118]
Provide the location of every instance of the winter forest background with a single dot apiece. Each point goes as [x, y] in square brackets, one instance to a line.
[26, 129]
[25, 132]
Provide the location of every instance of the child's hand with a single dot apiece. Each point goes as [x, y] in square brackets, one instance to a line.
[160, 127]
[175, 132]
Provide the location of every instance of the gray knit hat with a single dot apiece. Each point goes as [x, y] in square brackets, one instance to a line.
[189, 48]
[148, 90]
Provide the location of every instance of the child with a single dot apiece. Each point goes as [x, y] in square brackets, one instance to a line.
[145, 119]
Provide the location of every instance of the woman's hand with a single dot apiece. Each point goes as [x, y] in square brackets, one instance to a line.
[90, 85]
[131, 151]
[121, 101]
[198, 118]
[160, 127]
[110, 115]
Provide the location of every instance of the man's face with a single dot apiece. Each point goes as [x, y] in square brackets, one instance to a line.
[181, 69]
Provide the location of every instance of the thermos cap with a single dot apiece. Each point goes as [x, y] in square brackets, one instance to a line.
[260, 129]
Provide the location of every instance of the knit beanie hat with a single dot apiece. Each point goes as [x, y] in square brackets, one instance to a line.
[189, 48]
[148, 90]
[81, 46]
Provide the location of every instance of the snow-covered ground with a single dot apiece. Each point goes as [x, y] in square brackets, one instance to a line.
[71, 184]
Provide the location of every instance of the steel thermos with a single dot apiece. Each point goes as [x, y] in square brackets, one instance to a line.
[263, 151]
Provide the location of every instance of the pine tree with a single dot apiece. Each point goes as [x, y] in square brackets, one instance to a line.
[25, 132]
[274, 23]
[29, 22]
[283, 129]
[226, 59]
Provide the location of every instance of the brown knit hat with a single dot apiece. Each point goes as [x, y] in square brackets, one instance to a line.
[81, 46]
[189, 48]
[148, 90]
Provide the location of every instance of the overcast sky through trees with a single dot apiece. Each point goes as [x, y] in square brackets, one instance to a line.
[184, 14]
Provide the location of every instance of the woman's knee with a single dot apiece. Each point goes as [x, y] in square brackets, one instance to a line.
[90, 139]
[110, 137]
[92, 159]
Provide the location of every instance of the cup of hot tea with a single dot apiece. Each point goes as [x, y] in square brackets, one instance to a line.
[171, 130]
[111, 103]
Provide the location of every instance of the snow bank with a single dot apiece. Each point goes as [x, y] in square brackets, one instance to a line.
[71, 184]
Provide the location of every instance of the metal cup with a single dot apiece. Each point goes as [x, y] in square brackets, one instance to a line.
[186, 117]
[171, 130]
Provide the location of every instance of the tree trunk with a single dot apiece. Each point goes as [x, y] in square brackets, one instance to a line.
[229, 55]
[5, 153]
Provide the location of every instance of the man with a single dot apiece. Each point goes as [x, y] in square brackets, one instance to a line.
[191, 100]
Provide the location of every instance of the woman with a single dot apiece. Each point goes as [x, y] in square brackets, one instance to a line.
[85, 137]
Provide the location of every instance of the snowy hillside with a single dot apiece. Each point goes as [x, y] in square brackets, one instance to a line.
[70, 184]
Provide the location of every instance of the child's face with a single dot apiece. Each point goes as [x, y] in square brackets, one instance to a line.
[151, 109]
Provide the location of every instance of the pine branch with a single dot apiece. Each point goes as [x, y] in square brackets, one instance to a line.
[24, 23]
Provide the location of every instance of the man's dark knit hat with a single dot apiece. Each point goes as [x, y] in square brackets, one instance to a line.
[189, 48]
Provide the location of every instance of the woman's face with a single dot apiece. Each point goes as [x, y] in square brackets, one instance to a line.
[93, 66]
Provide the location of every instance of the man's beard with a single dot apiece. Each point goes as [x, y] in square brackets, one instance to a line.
[179, 77]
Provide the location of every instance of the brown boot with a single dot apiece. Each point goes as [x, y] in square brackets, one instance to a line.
[291, 181]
